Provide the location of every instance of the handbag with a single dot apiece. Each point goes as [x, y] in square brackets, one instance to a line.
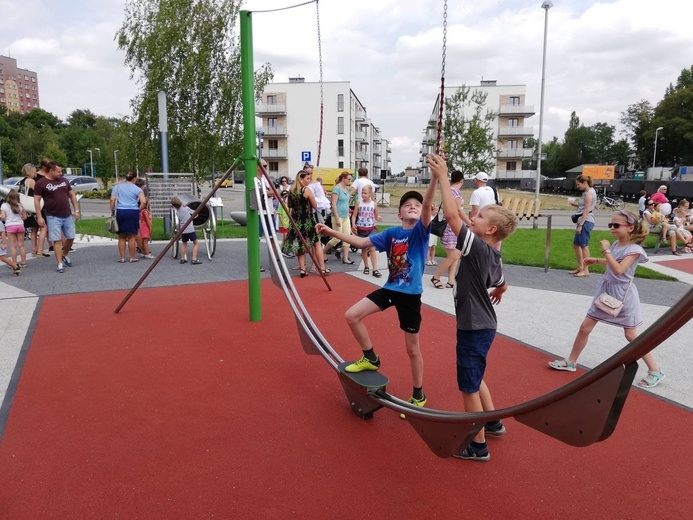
[610, 305]
[112, 221]
[575, 217]
[438, 225]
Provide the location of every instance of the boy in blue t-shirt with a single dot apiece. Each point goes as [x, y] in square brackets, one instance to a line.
[406, 248]
[480, 269]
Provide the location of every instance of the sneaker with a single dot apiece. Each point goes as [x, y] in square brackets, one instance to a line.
[475, 452]
[72, 250]
[363, 364]
[195, 261]
[418, 402]
[67, 261]
[60, 269]
[496, 428]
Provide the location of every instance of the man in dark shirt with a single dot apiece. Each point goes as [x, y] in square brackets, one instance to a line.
[57, 194]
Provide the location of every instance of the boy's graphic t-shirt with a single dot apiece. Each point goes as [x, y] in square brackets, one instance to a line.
[406, 256]
[480, 269]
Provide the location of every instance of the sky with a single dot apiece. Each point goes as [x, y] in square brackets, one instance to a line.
[600, 56]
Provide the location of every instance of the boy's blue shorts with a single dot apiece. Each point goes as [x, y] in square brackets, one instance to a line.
[472, 349]
[189, 237]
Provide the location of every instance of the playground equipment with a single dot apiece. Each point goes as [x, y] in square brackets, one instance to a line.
[205, 221]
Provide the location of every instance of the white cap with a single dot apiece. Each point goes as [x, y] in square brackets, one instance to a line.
[481, 177]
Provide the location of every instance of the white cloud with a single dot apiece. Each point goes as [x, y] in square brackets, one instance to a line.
[601, 56]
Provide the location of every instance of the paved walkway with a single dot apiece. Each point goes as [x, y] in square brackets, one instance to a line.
[543, 310]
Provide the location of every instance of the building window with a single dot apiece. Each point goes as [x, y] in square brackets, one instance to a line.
[273, 166]
[33, 80]
[340, 147]
[511, 166]
[272, 144]
[513, 122]
[512, 144]
[271, 100]
[340, 164]
[515, 100]
[340, 102]
[272, 122]
[340, 125]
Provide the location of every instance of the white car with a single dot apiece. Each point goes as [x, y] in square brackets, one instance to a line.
[83, 182]
[13, 182]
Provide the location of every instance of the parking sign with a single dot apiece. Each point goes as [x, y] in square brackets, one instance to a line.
[305, 156]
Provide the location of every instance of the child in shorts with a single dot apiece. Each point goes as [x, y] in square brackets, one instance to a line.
[184, 213]
[363, 220]
[3, 252]
[480, 269]
[406, 248]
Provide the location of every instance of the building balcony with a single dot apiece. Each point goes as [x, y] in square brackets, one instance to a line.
[360, 136]
[515, 153]
[274, 130]
[515, 131]
[265, 109]
[359, 115]
[516, 110]
[274, 153]
[377, 139]
[515, 174]
[362, 156]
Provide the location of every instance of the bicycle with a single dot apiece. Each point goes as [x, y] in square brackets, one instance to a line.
[614, 203]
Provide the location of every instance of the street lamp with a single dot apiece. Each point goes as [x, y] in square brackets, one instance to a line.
[115, 161]
[548, 4]
[91, 163]
[654, 159]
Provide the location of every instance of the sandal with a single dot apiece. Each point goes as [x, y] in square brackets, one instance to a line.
[121, 261]
[559, 365]
[651, 383]
[436, 282]
[366, 270]
[17, 271]
[581, 275]
[350, 262]
[23, 266]
[574, 272]
[303, 273]
[676, 253]
[326, 271]
[377, 273]
[449, 285]
[313, 270]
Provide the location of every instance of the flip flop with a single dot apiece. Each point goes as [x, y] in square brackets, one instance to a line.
[581, 275]
[574, 272]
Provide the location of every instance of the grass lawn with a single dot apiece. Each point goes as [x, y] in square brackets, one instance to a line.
[524, 247]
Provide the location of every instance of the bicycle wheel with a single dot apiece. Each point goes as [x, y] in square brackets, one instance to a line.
[619, 204]
[174, 231]
[600, 203]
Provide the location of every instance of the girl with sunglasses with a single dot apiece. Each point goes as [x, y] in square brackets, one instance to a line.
[621, 259]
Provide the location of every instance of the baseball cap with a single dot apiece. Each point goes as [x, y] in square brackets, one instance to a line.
[410, 195]
[481, 177]
[662, 187]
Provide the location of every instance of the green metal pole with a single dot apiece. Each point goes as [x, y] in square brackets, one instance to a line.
[250, 160]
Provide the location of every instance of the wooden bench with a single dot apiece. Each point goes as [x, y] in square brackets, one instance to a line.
[522, 207]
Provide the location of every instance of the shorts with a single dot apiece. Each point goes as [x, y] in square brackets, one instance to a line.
[30, 221]
[472, 349]
[408, 307]
[656, 229]
[128, 221]
[17, 228]
[582, 239]
[365, 233]
[59, 226]
[189, 237]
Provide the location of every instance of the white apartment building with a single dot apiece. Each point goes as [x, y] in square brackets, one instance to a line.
[290, 114]
[509, 129]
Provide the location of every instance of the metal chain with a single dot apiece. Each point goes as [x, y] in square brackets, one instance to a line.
[442, 77]
[322, 104]
[285, 8]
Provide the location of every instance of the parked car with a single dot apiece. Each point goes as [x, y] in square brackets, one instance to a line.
[228, 183]
[83, 182]
[13, 182]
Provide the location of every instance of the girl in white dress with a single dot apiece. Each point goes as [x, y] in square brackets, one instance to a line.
[621, 259]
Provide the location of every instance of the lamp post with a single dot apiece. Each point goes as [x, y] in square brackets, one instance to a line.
[115, 161]
[548, 4]
[91, 163]
[654, 159]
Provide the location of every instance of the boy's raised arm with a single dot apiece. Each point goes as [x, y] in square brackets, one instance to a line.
[440, 171]
[354, 240]
[426, 212]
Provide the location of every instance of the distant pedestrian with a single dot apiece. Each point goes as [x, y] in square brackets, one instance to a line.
[363, 225]
[184, 213]
[585, 224]
[144, 233]
[126, 199]
[13, 214]
[3, 252]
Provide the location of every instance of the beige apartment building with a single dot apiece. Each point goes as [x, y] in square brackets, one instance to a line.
[509, 128]
[19, 91]
[290, 114]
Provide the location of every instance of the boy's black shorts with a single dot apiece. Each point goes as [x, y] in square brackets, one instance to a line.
[408, 307]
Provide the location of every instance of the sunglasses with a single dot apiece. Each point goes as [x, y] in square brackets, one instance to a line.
[614, 225]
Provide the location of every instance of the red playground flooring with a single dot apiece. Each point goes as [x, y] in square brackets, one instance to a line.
[180, 408]
[682, 265]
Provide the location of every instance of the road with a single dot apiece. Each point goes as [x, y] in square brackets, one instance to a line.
[234, 200]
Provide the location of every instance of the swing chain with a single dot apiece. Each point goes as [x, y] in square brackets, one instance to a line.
[322, 104]
[442, 77]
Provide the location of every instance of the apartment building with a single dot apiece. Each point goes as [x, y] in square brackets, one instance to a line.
[290, 127]
[19, 91]
[509, 129]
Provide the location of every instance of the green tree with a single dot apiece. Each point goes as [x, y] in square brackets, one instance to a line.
[468, 132]
[188, 49]
[675, 114]
[637, 121]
